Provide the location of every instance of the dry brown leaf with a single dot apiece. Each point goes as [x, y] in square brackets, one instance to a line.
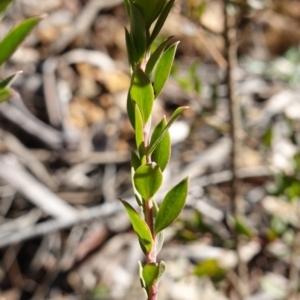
[113, 81]
[84, 112]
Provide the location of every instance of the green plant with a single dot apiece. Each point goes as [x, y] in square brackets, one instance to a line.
[188, 80]
[9, 44]
[149, 73]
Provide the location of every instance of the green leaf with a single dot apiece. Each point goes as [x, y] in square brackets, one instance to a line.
[159, 238]
[135, 160]
[127, 6]
[161, 269]
[138, 31]
[137, 196]
[267, 138]
[142, 93]
[158, 8]
[197, 11]
[146, 8]
[4, 4]
[154, 143]
[150, 274]
[5, 94]
[159, 241]
[15, 37]
[147, 180]
[140, 227]
[150, 10]
[162, 152]
[155, 209]
[7, 82]
[242, 228]
[163, 68]
[138, 199]
[210, 268]
[171, 206]
[130, 111]
[139, 135]
[143, 284]
[155, 56]
[130, 49]
[135, 163]
[278, 225]
[161, 21]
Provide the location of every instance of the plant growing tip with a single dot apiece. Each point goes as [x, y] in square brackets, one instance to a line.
[150, 71]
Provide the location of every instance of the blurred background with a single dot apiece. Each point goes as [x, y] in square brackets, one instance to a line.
[65, 143]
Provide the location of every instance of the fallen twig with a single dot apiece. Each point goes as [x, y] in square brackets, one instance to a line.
[34, 191]
[112, 207]
[237, 204]
[82, 23]
[11, 110]
[27, 157]
[47, 227]
[97, 158]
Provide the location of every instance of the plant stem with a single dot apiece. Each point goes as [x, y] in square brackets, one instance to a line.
[237, 205]
[146, 133]
[150, 257]
[149, 219]
[153, 292]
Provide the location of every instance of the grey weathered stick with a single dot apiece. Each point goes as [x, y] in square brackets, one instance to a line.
[74, 157]
[50, 91]
[57, 108]
[95, 58]
[213, 157]
[47, 227]
[27, 157]
[29, 123]
[17, 224]
[34, 191]
[107, 209]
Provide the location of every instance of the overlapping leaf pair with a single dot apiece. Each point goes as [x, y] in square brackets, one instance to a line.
[150, 71]
[9, 44]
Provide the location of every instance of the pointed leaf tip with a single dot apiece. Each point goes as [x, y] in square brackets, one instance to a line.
[140, 227]
[138, 31]
[163, 68]
[154, 143]
[15, 37]
[161, 20]
[8, 81]
[155, 56]
[171, 205]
